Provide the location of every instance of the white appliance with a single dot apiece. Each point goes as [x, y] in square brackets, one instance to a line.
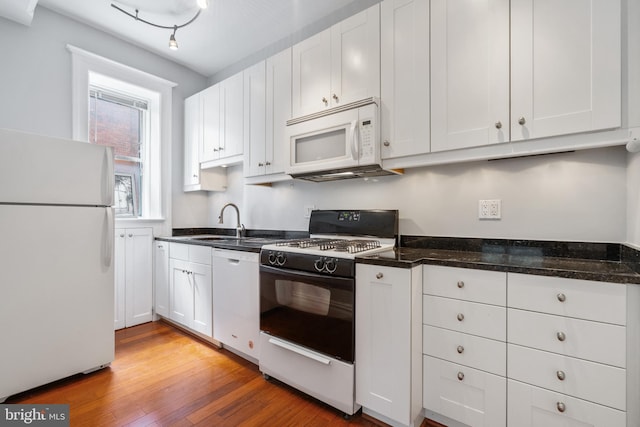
[338, 143]
[56, 250]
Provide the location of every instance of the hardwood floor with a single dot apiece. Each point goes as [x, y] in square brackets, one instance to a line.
[163, 377]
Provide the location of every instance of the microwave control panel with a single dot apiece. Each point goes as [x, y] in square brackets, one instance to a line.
[367, 136]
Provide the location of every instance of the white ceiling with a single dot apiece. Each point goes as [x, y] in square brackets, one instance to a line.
[225, 33]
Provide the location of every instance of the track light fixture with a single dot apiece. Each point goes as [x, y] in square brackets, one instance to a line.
[173, 44]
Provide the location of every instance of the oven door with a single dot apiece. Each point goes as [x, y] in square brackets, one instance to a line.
[308, 309]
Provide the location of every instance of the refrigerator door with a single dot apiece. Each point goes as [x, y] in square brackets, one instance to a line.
[56, 293]
[44, 170]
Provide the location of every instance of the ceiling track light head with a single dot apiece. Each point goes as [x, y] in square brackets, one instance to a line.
[173, 44]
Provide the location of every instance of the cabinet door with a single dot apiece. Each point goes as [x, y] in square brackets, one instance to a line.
[232, 101]
[535, 407]
[383, 340]
[139, 276]
[119, 272]
[278, 111]
[404, 80]
[161, 278]
[467, 395]
[192, 140]
[202, 320]
[211, 123]
[355, 57]
[180, 293]
[311, 75]
[469, 73]
[566, 67]
[254, 120]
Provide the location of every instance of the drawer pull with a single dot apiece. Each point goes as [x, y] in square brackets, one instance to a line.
[561, 336]
[460, 284]
[560, 375]
[460, 349]
[562, 297]
[561, 407]
[379, 276]
[460, 317]
[460, 376]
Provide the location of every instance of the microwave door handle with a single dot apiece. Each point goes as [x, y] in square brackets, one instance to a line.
[354, 140]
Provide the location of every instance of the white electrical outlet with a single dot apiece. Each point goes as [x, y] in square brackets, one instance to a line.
[490, 209]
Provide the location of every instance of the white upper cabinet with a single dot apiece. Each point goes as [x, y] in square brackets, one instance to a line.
[267, 99]
[255, 119]
[223, 116]
[404, 79]
[515, 70]
[196, 179]
[469, 73]
[338, 65]
[566, 67]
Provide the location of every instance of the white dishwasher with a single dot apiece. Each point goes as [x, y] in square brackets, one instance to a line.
[236, 292]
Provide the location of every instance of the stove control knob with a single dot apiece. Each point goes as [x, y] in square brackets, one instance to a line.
[319, 264]
[272, 258]
[280, 259]
[331, 265]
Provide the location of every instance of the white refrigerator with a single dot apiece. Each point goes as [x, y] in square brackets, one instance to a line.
[56, 259]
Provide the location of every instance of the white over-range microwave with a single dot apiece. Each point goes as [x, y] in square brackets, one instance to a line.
[338, 143]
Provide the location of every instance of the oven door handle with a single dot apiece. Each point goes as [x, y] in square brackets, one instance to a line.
[300, 351]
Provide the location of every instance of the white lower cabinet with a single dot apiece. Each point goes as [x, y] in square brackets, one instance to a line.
[388, 335]
[464, 334]
[133, 270]
[530, 406]
[161, 278]
[236, 293]
[470, 396]
[190, 290]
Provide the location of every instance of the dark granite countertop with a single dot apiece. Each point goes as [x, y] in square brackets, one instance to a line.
[599, 262]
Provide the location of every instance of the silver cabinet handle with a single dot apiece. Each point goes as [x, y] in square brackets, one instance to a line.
[498, 125]
[521, 120]
[324, 100]
[460, 317]
[460, 376]
[562, 297]
[130, 234]
[460, 284]
[260, 164]
[335, 97]
[379, 276]
[460, 349]
[561, 376]
[122, 235]
[561, 407]
[267, 163]
[386, 143]
[561, 336]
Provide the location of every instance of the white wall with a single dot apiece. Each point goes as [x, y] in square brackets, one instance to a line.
[35, 87]
[633, 200]
[577, 196]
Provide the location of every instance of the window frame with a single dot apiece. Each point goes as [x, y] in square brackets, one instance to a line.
[87, 68]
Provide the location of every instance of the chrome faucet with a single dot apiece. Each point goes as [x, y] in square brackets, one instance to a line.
[239, 227]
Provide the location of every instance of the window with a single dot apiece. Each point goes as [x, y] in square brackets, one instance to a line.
[129, 110]
[120, 121]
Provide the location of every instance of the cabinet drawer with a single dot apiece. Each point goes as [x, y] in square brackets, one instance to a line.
[464, 349]
[484, 320]
[488, 287]
[598, 342]
[583, 299]
[467, 395]
[192, 253]
[582, 379]
[531, 406]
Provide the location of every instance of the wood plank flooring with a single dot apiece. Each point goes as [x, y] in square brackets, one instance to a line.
[164, 377]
